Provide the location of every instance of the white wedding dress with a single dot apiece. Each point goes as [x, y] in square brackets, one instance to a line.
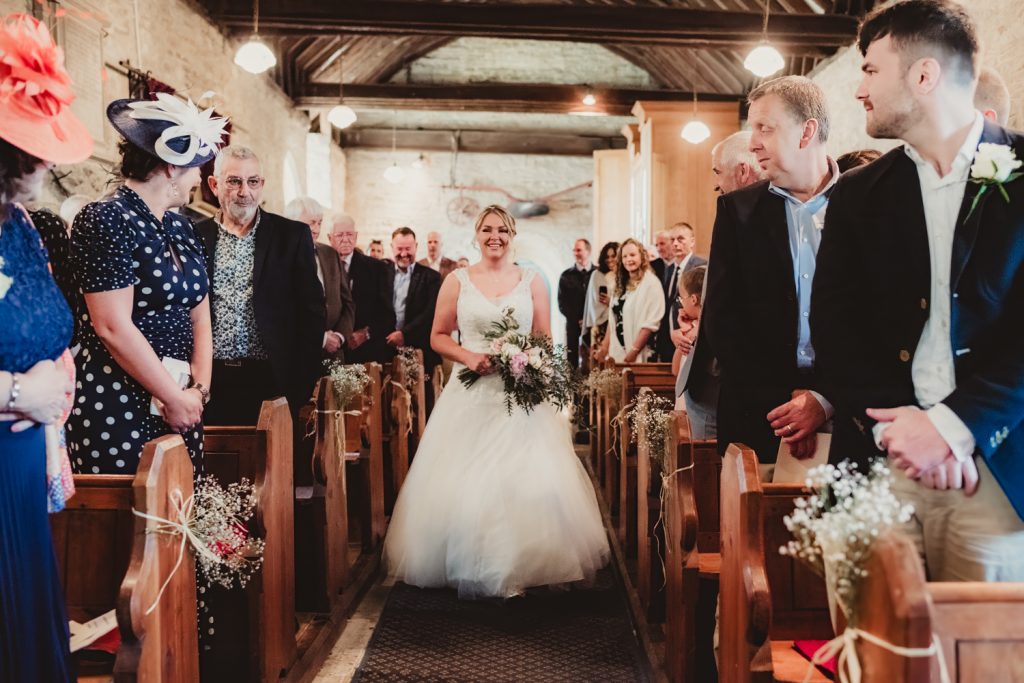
[494, 503]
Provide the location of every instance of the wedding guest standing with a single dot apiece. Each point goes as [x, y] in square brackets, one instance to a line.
[733, 165]
[36, 132]
[636, 309]
[375, 311]
[572, 295]
[144, 367]
[992, 97]
[376, 249]
[602, 284]
[930, 371]
[435, 255]
[663, 247]
[339, 306]
[762, 264]
[682, 239]
[414, 291]
[268, 306]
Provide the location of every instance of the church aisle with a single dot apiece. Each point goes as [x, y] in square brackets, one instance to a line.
[430, 635]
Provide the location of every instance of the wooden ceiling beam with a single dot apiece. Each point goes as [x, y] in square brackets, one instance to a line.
[584, 23]
[484, 141]
[556, 99]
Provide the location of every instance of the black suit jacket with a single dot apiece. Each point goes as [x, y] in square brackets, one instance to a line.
[368, 279]
[424, 284]
[339, 308]
[288, 300]
[750, 316]
[871, 302]
[666, 349]
[572, 296]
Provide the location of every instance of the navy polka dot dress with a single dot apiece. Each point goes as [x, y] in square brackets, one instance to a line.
[118, 243]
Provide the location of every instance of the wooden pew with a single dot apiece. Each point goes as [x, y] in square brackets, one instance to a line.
[321, 520]
[106, 560]
[767, 600]
[256, 627]
[658, 378]
[681, 568]
[979, 625]
[364, 455]
[408, 413]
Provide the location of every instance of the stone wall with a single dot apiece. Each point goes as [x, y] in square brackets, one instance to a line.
[422, 202]
[1000, 36]
[182, 48]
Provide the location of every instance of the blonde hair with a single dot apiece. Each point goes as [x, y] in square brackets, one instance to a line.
[802, 97]
[621, 274]
[499, 211]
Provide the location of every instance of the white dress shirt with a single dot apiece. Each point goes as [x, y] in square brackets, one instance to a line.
[933, 369]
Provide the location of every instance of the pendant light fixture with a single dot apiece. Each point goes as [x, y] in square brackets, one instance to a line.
[341, 115]
[254, 56]
[695, 131]
[394, 173]
[589, 99]
[764, 60]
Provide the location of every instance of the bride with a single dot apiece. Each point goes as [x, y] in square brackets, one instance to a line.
[493, 504]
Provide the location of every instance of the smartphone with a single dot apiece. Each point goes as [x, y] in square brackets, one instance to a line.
[603, 289]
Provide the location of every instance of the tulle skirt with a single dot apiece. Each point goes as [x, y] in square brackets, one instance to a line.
[494, 503]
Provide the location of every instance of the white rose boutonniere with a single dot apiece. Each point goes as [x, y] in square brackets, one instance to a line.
[994, 166]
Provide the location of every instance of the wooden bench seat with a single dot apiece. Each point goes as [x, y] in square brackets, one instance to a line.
[107, 560]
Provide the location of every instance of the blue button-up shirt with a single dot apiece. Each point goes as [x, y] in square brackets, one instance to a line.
[805, 221]
[401, 293]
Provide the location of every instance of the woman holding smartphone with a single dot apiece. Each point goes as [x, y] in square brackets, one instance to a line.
[602, 281]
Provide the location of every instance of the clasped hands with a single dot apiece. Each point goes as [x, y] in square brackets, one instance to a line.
[796, 421]
[915, 446]
[46, 392]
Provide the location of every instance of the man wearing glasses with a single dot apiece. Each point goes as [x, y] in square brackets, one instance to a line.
[266, 299]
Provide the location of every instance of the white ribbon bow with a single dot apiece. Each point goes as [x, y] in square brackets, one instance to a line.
[844, 649]
[203, 129]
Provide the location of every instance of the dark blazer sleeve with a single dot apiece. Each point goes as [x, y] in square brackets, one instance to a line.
[722, 316]
[309, 312]
[419, 321]
[564, 293]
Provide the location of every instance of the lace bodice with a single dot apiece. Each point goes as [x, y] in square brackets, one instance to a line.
[476, 312]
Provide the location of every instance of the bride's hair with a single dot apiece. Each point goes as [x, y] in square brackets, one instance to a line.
[499, 211]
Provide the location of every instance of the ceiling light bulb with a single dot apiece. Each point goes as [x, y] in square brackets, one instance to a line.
[393, 174]
[695, 132]
[255, 57]
[341, 116]
[589, 99]
[764, 60]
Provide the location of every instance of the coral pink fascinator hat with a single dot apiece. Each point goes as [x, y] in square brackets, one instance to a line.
[36, 94]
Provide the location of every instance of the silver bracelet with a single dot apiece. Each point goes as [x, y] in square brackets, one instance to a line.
[15, 391]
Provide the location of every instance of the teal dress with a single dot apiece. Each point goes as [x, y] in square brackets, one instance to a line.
[36, 324]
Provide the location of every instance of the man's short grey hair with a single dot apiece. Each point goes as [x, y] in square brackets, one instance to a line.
[802, 96]
[303, 205]
[342, 218]
[993, 94]
[232, 152]
[735, 150]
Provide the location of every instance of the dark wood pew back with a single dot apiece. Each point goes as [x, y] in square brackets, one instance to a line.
[767, 600]
[364, 452]
[264, 627]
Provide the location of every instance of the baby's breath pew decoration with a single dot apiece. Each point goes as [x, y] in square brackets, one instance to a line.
[605, 382]
[411, 367]
[213, 522]
[348, 381]
[655, 414]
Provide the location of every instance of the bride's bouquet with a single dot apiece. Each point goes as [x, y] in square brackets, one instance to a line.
[531, 368]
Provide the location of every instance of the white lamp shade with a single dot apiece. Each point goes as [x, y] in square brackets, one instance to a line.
[255, 57]
[695, 132]
[393, 174]
[589, 100]
[341, 116]
[764, 60]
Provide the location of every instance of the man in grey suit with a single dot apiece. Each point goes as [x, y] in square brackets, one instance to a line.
[340, 307]
[682, 240]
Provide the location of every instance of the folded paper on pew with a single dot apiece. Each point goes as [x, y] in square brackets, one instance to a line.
[790, 470]
[84, 635]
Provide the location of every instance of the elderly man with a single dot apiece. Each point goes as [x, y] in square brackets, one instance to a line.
[340, 309]
[663, 247]
[763, 253]
[733, 164]
[368, 280]
[435, 256]
[414, 289]
[267, 304]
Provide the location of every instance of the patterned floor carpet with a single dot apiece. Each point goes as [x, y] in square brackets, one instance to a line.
[431, 636]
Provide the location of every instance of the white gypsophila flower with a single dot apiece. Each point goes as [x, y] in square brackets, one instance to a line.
[994, 163]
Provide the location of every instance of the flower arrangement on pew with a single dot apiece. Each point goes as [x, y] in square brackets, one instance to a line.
[605, 382]
[654, 413]
[348, 381]
[214, 523]
[412, 368]
[834, 530]
[531, 368]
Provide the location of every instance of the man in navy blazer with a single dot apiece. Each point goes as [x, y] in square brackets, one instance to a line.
[919, 293]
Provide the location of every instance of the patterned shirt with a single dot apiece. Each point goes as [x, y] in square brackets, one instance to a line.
[235, 334]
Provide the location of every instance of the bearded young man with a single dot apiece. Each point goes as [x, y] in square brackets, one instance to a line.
[919, 291]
